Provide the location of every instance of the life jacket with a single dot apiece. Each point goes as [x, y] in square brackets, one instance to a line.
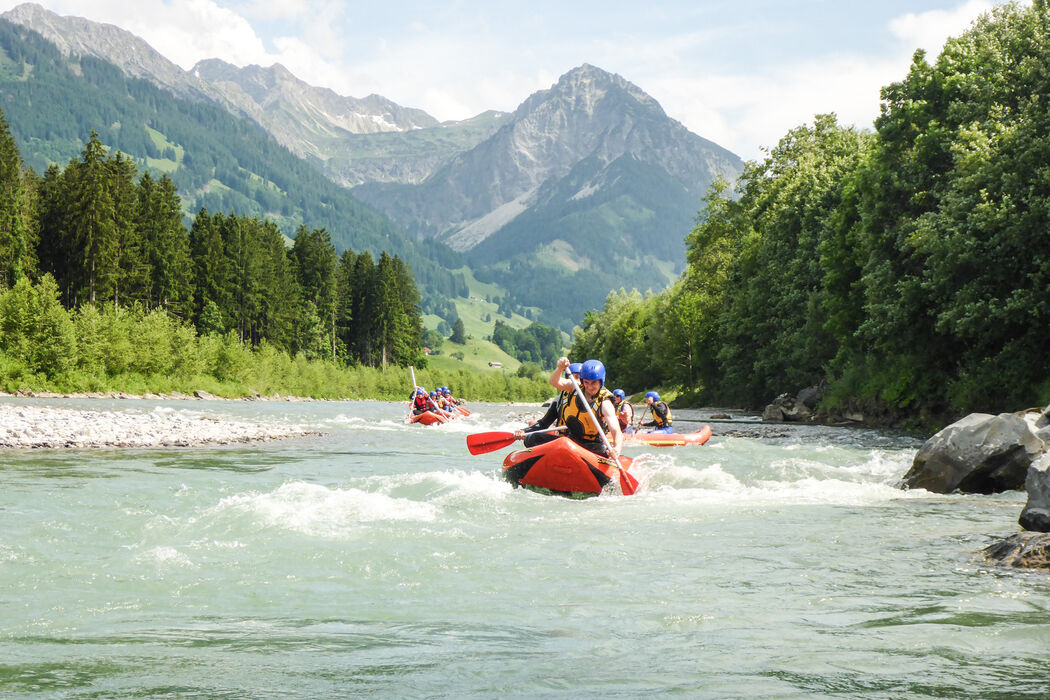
[421, 402]
[574, 415]
[662, 422]
[625, 414]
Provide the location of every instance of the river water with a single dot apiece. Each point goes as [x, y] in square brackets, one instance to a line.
[382, 559]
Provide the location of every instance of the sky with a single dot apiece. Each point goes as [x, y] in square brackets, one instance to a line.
[740, 73]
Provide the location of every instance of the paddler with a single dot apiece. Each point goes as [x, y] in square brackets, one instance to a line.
[533, 435]
[575, 417]
[661, 413]
[624, 411]
[420, 401]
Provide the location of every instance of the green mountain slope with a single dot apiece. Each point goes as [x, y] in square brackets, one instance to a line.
[580, 247]
[217, 161]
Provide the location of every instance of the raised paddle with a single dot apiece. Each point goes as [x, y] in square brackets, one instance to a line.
[480, 443]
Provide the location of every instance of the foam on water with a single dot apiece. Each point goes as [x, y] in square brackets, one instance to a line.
[320, 511]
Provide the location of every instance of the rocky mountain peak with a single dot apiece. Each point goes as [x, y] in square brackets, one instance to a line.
[76, 36]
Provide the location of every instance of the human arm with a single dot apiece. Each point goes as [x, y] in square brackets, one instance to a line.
[543, 423]
[558, 380]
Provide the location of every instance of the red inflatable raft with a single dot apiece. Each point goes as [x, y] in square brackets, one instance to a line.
[427, 418]
[563, 468]
[669, 439]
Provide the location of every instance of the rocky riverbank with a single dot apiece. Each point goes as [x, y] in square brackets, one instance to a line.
[23, 426]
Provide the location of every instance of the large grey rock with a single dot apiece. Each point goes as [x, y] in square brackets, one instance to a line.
[981, 453]
[1036, 514]
[786, 408]
[1026, 550]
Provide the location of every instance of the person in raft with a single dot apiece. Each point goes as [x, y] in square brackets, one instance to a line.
[420, 401]
[577, 420]
[451, 399]
[624, 411]
[533, 435]
[661, 413]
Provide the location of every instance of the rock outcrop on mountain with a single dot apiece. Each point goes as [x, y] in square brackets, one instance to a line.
[588, 115]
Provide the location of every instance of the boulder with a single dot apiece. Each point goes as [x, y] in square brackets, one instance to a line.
[1036, 513]
[811, 396]
[786, 408]
[981, 453]
[1026, 550]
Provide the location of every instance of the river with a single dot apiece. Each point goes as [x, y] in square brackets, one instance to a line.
[382, 559]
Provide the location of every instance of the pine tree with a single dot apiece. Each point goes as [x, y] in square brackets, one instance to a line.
[131, 282]
[18, 221]
[315, 264]
[90, 220]
[344, 309]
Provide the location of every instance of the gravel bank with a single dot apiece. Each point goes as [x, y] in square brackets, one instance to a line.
[41, 427]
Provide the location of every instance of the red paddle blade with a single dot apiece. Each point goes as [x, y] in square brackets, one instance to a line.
[480, 443]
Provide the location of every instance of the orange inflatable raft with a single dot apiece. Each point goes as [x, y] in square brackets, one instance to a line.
[669, 439]
[563, 468]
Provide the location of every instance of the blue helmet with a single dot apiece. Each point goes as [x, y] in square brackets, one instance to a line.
[420, 390]
[574, 368]
[618, 393]
[433, 394]
[652, 395]
[593, 370]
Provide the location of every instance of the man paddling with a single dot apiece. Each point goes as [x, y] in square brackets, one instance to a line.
[661, 413]
[577, 418]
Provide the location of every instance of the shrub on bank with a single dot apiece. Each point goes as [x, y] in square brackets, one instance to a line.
[44, 347]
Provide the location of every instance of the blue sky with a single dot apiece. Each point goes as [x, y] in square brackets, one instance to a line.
[740, 73]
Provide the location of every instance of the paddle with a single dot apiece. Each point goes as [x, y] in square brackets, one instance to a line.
[648, 409]
[624, 474]
[481, 443]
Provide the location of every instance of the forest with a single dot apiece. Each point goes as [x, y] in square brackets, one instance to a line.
[907, 268]
[103, 288]
[217, 162]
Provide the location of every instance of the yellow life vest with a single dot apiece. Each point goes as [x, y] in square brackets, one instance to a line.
[661, 422]
[574, 415]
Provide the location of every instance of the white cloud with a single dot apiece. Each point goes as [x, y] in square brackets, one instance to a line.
[929, 30]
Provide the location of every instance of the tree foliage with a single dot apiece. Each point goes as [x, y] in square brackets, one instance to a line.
[910, 267]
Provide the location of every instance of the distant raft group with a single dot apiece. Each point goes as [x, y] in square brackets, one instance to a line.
[439, 406]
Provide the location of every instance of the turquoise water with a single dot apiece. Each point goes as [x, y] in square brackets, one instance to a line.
[383, 559]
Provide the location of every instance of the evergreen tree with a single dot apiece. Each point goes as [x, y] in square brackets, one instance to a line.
[315, 264]
[459, 335]
[131, 281]
[91, 224]
[18, 216]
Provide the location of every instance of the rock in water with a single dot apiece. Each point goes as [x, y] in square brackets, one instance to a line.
[981, 453]
[1036, 513]
[1025, 550]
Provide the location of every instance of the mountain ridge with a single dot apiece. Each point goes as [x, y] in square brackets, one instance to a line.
[588, 182]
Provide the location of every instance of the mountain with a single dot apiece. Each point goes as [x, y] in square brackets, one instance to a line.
[53, 101]
[352, 140]
[587, 186]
